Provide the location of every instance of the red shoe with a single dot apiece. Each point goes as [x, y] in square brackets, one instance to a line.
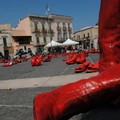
[68, 57]
[72, 60]
[82, 67]
[8, 64]
[36, 61]
[81, 59]
[93, 67]
[47, 59]
[64, 59]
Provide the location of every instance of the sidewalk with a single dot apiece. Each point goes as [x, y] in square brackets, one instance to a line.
[44, 81]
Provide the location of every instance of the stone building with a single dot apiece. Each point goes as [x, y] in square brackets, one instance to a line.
[6, 40]
[87, 37]
[36, 31]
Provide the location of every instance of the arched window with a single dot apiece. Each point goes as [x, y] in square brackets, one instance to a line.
[78, 37]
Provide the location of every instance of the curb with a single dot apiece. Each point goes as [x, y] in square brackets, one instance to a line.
[44, 81]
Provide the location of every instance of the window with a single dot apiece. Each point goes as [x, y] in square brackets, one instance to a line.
[88, 35]
[58, 24]
[36, 27]
[44, 40]
[69, 25]
[83, 35]
[4, 42]
[69, 35]
[59, 36]
[78, 37]
[64, 25]
[64, 35]
[23, 41]
[37, 40]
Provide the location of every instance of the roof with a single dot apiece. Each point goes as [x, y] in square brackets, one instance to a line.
[88, 27]
[85, 28]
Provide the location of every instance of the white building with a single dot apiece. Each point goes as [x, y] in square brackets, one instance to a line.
[87, 37]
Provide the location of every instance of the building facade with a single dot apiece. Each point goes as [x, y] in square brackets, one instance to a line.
[5, 40]
[36, 31]
[87, 37]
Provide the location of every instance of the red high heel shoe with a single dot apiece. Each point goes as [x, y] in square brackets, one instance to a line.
[8, 64]
[82, 58]
[92, 67]
[72, 60]
[36, 61]
[68, 57]
[82, 67]
[47, 58]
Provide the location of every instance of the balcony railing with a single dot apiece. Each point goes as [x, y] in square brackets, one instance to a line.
[44, 31]
[9, 44]
[36, 31]
[64, 28]
[61, 40]
[69, 29]
[58, 28]
[50, 32]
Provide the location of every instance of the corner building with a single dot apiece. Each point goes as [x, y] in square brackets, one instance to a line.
[36, 31]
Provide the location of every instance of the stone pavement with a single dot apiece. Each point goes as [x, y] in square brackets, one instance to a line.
[44, 81]
[16, 98]
[19, 85]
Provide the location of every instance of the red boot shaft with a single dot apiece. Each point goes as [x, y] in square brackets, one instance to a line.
[109, 33]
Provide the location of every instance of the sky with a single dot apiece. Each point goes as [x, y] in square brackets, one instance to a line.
[83, 12]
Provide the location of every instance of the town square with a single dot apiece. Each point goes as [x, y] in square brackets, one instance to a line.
[58, 63]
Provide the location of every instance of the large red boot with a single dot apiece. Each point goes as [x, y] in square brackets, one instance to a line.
[79, 96]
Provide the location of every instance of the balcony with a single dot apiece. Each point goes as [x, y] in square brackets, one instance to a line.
[9, 44]
[61, 40]
[44, 31]
[69, 29]
[58, 28]
[36, 31]
[64, 28]
[50, 32]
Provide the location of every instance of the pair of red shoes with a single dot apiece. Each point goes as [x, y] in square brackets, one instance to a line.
[47, 58]
[77, 58]
[36, 61]
[8, 64]
[68, 57]
[82, 58]
[72, 60]
[88, 67]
